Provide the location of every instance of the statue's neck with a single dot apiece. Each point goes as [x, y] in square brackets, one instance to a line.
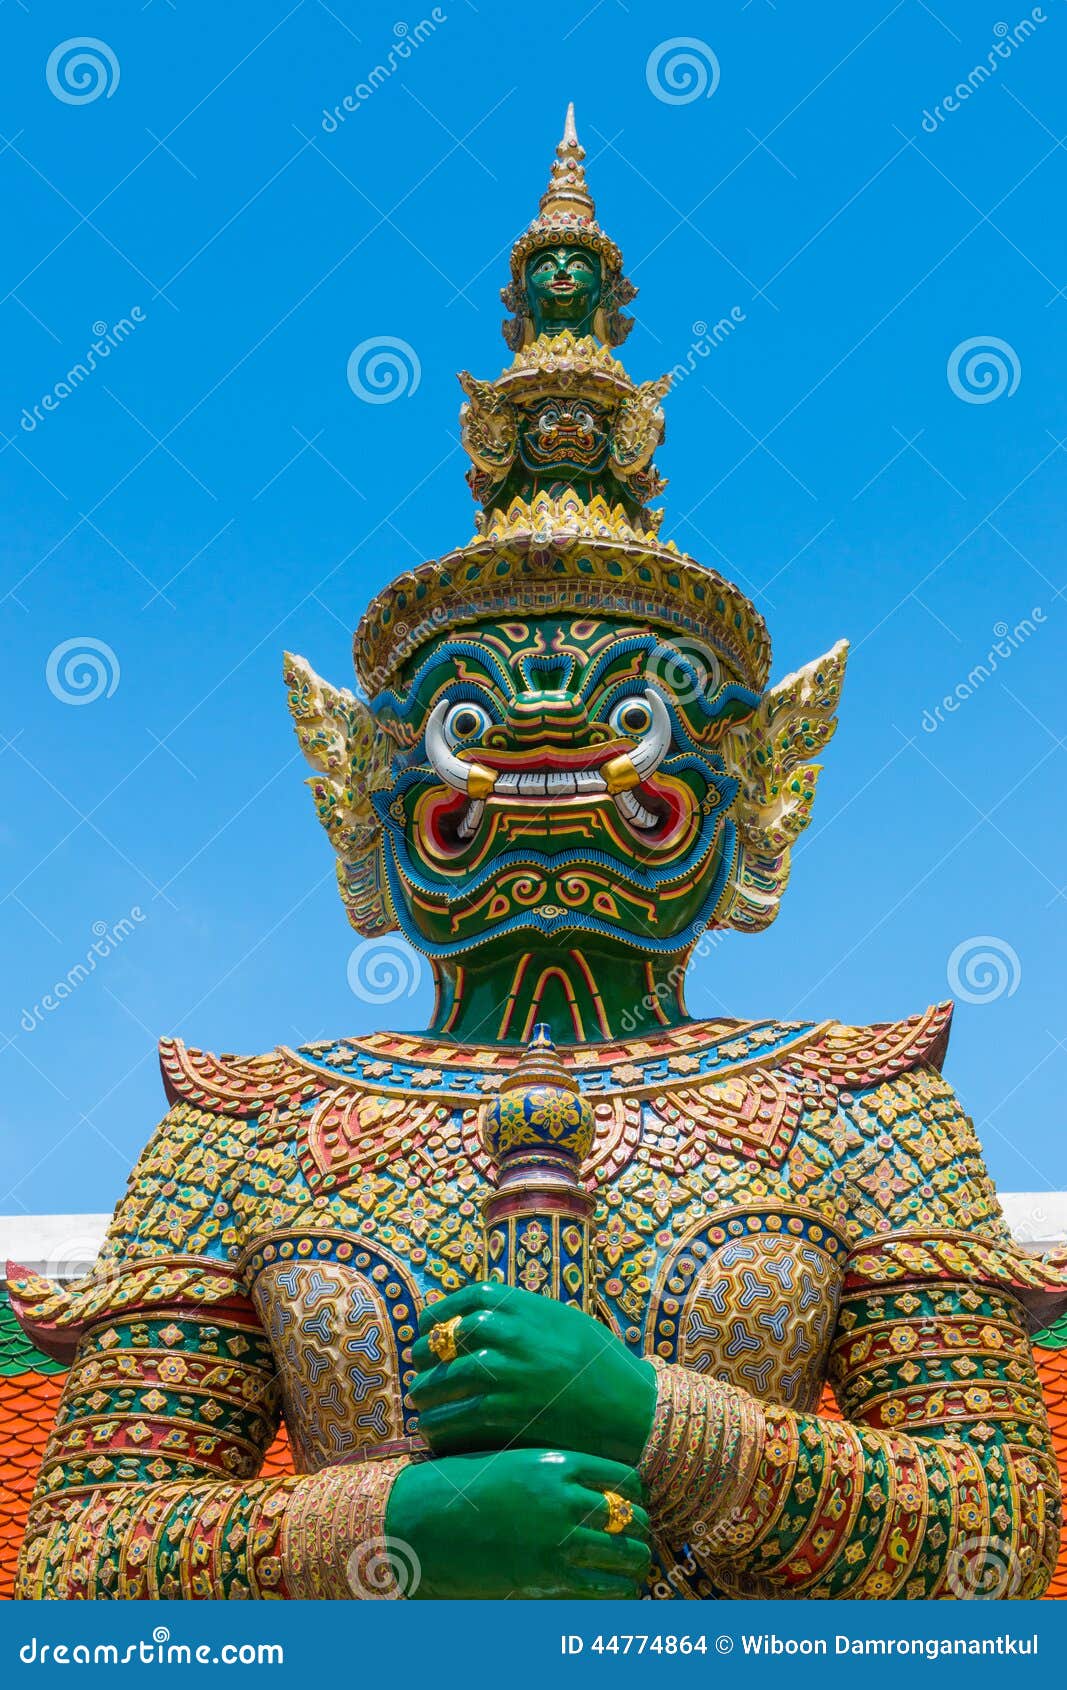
[587, 995]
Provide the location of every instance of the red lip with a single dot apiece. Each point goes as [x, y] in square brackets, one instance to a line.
[442, 811]
[668, 805]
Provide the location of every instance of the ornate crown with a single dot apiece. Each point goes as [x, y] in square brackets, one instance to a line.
[587, 546]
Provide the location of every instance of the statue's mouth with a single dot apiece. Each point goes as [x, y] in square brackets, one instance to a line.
[547, 777]
[553, 788]
[542, 798]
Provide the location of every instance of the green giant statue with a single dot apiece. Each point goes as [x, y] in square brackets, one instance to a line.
[550, 1294]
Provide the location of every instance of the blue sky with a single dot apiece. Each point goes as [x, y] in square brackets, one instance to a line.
[214, 491]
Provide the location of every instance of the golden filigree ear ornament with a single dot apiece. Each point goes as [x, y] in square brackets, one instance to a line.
[768, 754]
[353, 758]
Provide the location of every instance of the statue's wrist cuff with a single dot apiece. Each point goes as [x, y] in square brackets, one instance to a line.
[701, 1454]
[334, 1545]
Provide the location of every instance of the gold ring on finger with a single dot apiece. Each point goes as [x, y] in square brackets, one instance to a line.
[620, 1511]
[442, 1339]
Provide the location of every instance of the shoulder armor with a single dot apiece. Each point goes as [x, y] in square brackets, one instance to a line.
[246, 1087]
[55, 1316]
[1039, 1282]
[853, 1058]
[240, 1086]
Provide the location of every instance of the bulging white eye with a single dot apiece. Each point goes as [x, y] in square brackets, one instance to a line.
[631, 717]
[465, 723]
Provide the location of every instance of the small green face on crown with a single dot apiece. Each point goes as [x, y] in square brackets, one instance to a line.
[563, 286]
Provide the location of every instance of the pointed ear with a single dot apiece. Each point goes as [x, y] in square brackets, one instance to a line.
[342, 741]
[768, 756]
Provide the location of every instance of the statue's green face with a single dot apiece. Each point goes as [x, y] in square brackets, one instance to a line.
[563, 774]
[563, 285]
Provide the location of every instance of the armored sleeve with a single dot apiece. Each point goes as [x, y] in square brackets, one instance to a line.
[149, 1484]
[940, 1480]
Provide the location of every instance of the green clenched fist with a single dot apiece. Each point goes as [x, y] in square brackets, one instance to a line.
[520, 1522]
[529, 1371]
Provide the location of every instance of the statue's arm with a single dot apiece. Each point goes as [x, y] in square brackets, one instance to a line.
[940, 1482]
[941, 1478]
[149, 1484]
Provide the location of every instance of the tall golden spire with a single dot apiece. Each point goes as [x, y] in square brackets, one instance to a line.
[567, 189]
